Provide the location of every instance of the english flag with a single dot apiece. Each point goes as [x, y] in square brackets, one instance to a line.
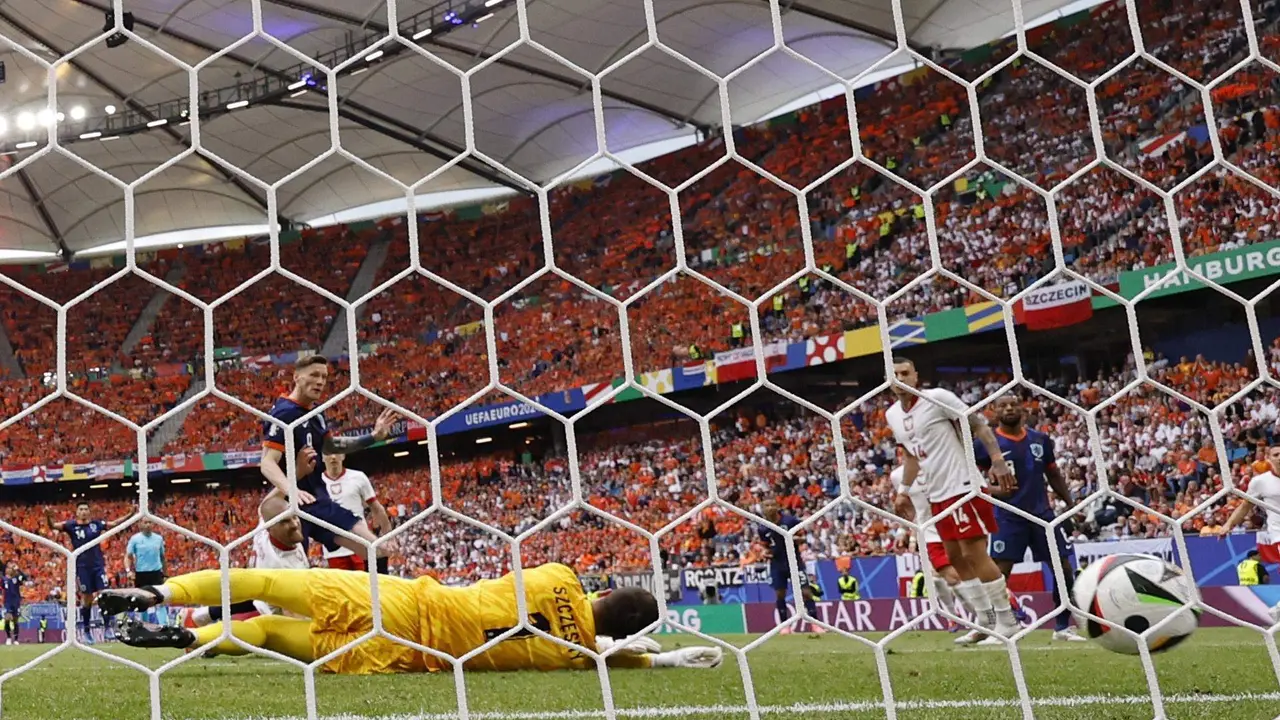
[1056, 306]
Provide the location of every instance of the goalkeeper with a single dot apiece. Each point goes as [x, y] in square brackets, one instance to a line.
[335, 608]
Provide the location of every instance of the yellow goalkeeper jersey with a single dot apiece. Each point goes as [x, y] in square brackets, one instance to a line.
[457, 620]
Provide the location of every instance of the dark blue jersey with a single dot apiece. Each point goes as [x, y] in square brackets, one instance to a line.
[313, 432]
[1029, 456]
[83, 534]
[776, 541]
[12, 590]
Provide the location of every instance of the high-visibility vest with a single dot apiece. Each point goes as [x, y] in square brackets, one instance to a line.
[856, 192]
[885, 228]
[945, 120]
[694, 352]
[891, 164]
[827, 267]
[915, 141]
[737, 330]
[918, 211]
[848, 585]
[803, 283]
[777, 303]
[815, 590]
[850, 249]
[917, 587]
[1249, 571]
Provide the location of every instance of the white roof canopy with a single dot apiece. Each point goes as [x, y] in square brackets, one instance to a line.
[404, 115]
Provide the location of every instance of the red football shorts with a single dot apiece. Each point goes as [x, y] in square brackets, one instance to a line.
[347, 562]
[937, 555]
[974, 518]
[1269, 554]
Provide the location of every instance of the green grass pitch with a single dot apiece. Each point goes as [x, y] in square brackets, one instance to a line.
[1219, 673]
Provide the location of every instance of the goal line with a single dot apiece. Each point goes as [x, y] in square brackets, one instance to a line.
[802, 709]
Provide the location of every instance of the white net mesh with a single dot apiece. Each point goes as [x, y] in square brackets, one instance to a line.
[881, 299]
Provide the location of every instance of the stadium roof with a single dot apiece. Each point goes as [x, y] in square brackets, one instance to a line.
[120, 107]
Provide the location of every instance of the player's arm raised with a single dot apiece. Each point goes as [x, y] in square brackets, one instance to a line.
[381, 429]
[53, 524]
[119, 521]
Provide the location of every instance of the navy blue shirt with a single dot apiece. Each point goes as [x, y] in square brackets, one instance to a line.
[313, 432]
[776, 541]
[1028, 456]
[82, 535]
[12, 590]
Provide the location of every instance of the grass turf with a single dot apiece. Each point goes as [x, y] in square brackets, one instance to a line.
[835, 676]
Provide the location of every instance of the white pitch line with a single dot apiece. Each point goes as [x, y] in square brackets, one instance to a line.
[804, 708]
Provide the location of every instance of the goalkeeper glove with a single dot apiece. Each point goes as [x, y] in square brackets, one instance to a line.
[639, 646]
[690, 657]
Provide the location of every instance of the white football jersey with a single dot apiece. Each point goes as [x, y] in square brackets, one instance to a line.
[918, 493]
[351, 490]
[1266, 487]
[931, 432]
[269, 557]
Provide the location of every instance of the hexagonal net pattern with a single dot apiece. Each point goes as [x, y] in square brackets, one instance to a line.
[872, 160]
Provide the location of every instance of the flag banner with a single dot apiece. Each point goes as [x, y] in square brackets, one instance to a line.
[1056, 306]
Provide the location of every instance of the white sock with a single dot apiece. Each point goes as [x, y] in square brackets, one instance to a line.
[975, 598]
[942, 591]
[200, 617]
[997, 592]
[165, 591]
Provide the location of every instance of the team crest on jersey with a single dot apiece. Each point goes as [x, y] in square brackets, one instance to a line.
[909, 423]
[335, 489]
[1037, 451]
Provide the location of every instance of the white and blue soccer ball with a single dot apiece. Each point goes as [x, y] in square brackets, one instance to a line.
[1136, 592]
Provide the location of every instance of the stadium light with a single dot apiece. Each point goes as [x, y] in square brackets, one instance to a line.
[43, 117]
[237, 104]
[27, 144]
[300, 83]
[482, 19]
[90, 135]
[109, 138]
[158, 123]
[179, 481]
[481, 441]
[491, 3]
[26, 121]
[517, 426]
[4, 125]
[421, 34]
[300, 92]
[359, 70]
[423, 442]
[77, 113]
[125, 485]
[99, 486]
[374, 56]
[110, 109]
[402, 453]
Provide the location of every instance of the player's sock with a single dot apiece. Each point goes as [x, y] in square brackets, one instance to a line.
[383, 564]
[811, 607]
[214, 613]
[974, 596]
[783, 613]
[1063, 619]
[85, 614]
[202, 616]
[997, 593]
[942, 591]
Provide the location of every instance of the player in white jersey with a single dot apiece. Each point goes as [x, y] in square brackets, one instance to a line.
[928, 430]
[352, 490]
[1263, 487]
[280, 547]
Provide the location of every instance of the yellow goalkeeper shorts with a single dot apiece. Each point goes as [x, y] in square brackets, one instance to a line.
[342, 611]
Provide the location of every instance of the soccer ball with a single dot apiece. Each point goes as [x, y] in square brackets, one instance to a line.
[1136, 592]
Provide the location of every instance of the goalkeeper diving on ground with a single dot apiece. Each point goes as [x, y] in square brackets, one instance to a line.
[334, 607]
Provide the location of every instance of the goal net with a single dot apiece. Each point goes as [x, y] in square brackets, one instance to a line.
[1079, 215]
